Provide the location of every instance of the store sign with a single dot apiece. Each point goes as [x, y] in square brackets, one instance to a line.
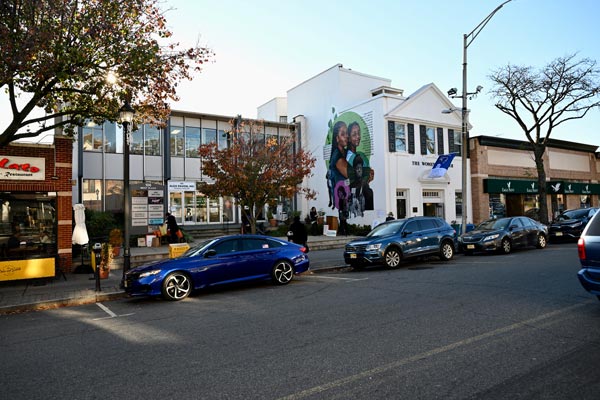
[22, 168]
[510, 186]
[182, 186]
[26, 269]
[564, 187]
[147, 207]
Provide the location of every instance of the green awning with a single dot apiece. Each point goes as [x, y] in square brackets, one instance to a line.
[519, 186]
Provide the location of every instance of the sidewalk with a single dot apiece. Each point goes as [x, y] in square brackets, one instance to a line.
[41, 294]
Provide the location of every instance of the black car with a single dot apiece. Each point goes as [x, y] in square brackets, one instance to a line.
[504, 234]
[395, 240]
[570, 224]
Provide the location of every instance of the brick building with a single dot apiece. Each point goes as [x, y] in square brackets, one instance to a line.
[504, 177]
[36, 209]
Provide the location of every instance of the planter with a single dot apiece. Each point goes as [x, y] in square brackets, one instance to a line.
[320, 220]
[273, 222]
[116, 250]
[104, 272]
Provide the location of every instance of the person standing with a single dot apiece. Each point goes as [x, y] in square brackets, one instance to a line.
[299, 235]
[173, 228]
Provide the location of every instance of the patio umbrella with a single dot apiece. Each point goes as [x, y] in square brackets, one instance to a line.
[80, 235]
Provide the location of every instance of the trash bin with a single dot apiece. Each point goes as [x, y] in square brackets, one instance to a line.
[177, 249]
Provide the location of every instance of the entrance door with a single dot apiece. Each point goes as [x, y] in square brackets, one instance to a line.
[189, 209]
[433, 203]
[175, 205]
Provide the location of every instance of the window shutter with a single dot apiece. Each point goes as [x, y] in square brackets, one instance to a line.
[411, 138]
[440, 140]
[392, 136]
[451, 148]
[423, 130]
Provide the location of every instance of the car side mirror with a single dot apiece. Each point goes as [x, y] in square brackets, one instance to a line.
[210, 253]
[510, 228]
[406, 233]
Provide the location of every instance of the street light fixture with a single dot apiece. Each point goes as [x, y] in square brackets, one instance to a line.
[126, 117]
[467, 40]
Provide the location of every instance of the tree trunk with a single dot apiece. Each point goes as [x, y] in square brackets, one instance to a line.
[538, 152]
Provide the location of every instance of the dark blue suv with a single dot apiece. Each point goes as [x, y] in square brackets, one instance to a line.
[395, 240]
[588, 248]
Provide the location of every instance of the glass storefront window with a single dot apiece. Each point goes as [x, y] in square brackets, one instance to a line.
[214, 210]
[93, 194]
[28, 227]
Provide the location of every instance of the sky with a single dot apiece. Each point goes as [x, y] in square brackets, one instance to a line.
[265, 47]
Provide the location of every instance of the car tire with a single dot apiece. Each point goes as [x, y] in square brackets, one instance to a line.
[176, 286]
[446, 251]
[541, 242]
[505, 246]
[392, 257]
[283, 272]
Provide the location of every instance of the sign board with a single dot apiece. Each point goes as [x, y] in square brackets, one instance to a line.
[22, 168]
[27, 269]
[147, 207]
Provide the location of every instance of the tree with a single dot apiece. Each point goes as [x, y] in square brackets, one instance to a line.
[79, 60]
[539, 101]
[253, 170]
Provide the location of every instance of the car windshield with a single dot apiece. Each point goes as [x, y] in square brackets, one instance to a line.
[573, 214]
[493, 224]
[388, 228]
[194, 251]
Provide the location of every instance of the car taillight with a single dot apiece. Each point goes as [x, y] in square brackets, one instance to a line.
[581, 248]
[303, 249]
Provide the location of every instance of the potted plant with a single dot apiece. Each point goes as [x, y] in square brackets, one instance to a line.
[106, 258]
[115, 238]
[321, 217]
[272, 220]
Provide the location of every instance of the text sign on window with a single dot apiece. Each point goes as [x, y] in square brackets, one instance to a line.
[22, 168]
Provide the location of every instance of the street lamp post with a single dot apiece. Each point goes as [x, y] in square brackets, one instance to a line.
[467, 40]
[126, 116]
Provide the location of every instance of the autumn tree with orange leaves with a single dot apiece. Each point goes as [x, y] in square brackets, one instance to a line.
[255, 171]
[75, 60]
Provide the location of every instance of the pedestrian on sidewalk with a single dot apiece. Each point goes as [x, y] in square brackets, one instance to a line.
[298, 232]
[173, 228]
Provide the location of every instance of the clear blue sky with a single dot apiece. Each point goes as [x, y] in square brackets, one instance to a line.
[265, 47]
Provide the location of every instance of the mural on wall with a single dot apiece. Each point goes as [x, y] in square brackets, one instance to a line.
[346, 154]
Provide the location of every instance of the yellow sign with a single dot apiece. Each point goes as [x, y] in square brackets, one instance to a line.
[26, 269]
[177, 249]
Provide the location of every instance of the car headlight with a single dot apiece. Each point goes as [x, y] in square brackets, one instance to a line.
[491, 237]
[149, 273]
[372, 247]
[576, 224]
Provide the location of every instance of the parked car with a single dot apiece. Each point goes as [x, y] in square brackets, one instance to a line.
[570, 224]
[504, 234]
[391, 242]
[224, 260]
[588, 247]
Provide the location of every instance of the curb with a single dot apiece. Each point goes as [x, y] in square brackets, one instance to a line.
[59, 303]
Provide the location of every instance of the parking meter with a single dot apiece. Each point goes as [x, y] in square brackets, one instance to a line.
[97, 249]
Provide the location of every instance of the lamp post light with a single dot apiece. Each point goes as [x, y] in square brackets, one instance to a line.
[467, 40]
[126, 116]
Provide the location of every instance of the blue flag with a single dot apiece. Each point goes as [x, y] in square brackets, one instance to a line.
[441, 166]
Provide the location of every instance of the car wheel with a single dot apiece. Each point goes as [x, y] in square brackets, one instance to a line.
[176, 286]
[505, 246]
[541, 242]
[392, 257]
[283, 272]
[446, 251]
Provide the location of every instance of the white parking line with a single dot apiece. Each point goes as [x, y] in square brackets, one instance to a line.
[109, 312]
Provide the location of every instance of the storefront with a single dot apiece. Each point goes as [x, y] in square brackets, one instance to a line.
[36, 213]
[504, 178]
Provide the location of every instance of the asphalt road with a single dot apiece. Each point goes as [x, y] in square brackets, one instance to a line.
[481, 327]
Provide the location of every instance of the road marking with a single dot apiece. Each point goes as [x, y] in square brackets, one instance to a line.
[109, 312]
[335, 277]
[418, 357]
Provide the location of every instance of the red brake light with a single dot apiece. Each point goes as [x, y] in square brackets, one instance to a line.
[581, 248]
[303, 249]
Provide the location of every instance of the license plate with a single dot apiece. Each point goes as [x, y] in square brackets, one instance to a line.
[352, 255]
[470, 246]
[558, 233]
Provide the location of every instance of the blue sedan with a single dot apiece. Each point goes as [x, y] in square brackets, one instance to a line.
[219, 261]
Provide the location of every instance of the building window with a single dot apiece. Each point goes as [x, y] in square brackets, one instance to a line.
[176, 140]
[458, 201]
[93, 193]
[283, 119]
[458, 142]
[152, 140]
[137, 141]
[114, 195]
[110, 138]
[400, 137]
[92, 137]
[430, 140]
[209, 136]
[192, 141]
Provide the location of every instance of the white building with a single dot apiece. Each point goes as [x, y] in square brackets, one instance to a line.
[400, 140]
